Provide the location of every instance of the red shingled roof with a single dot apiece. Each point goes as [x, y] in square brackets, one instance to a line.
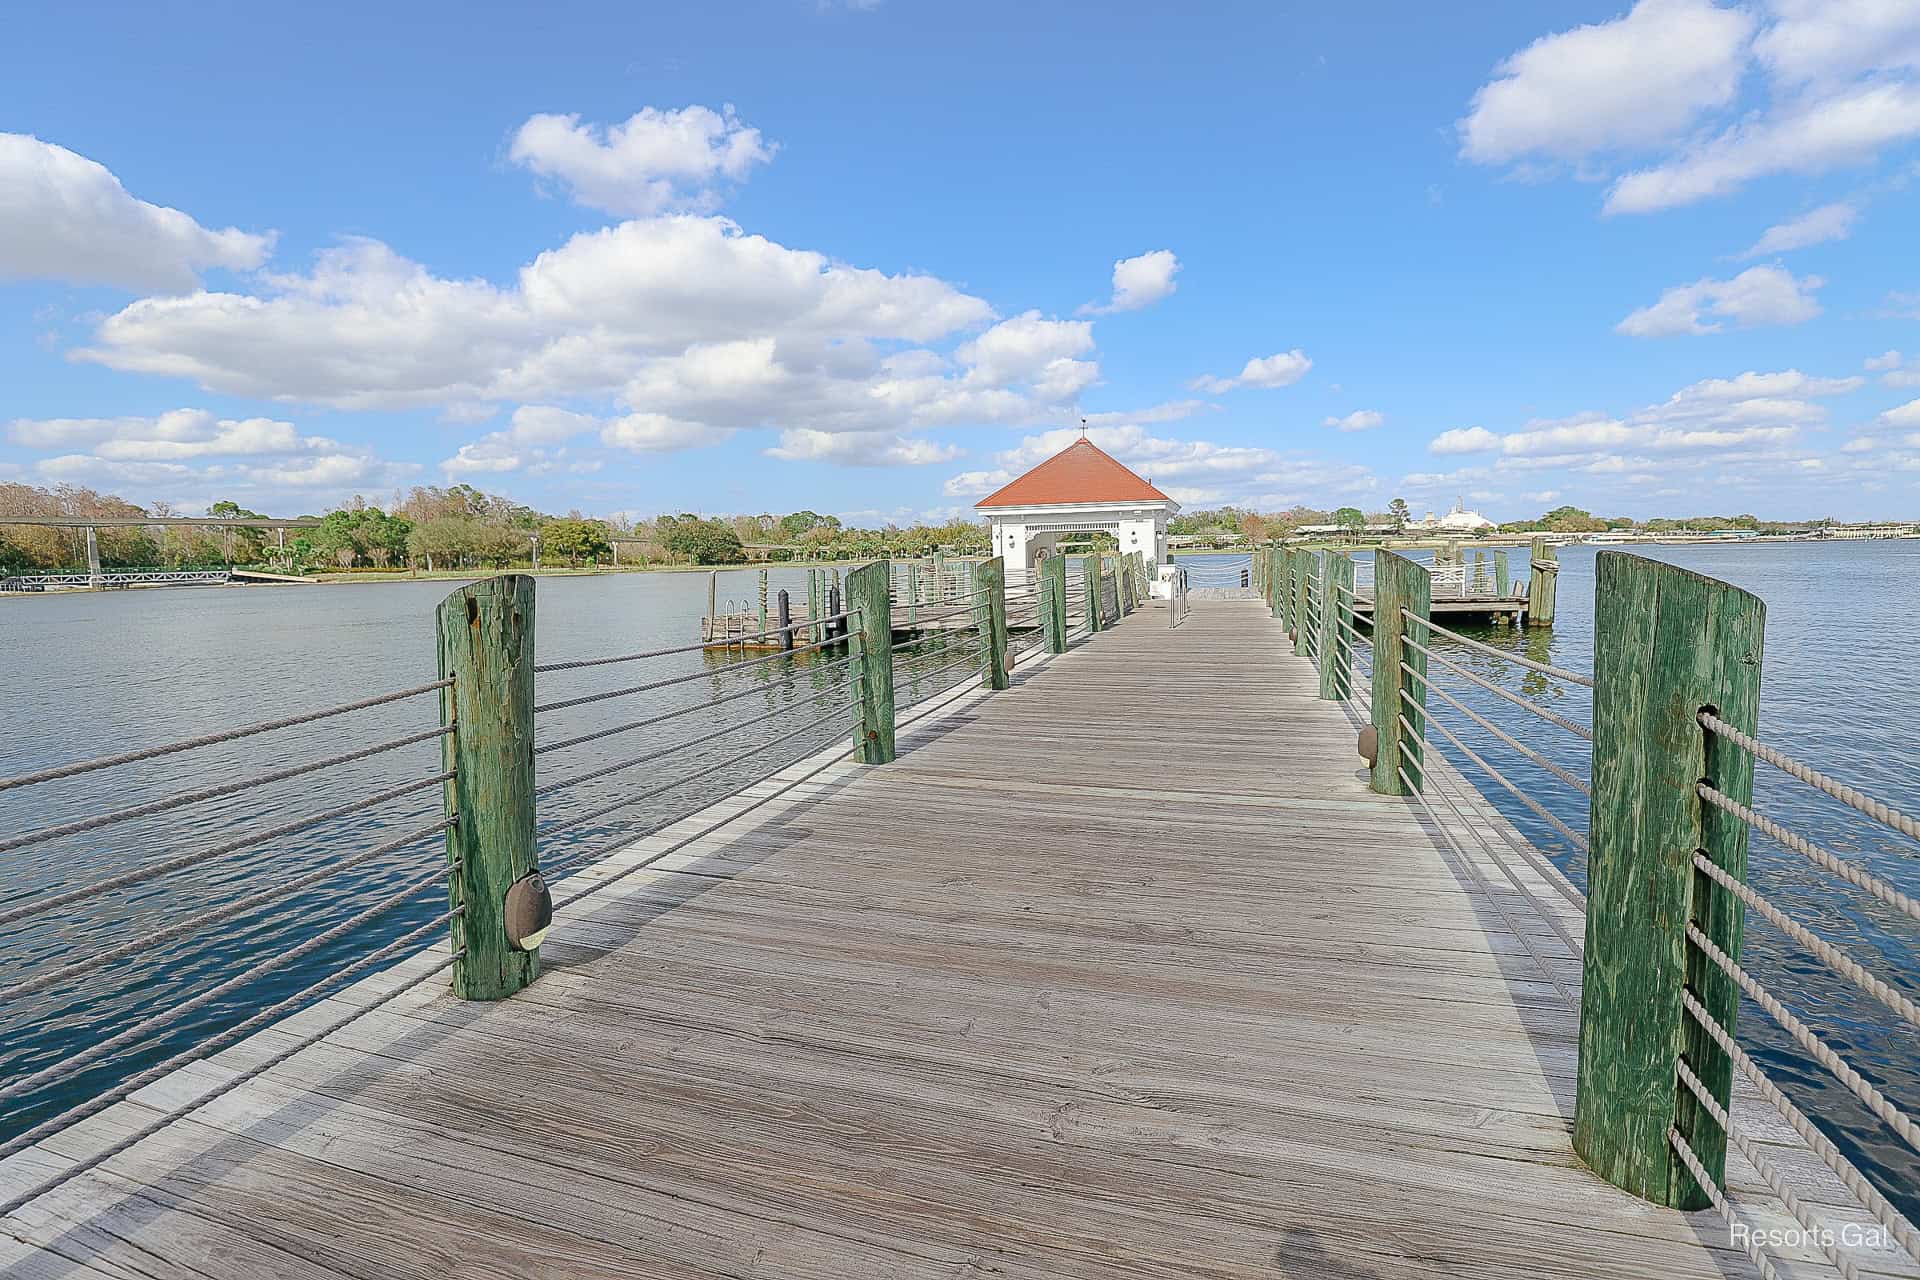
[1081, 472]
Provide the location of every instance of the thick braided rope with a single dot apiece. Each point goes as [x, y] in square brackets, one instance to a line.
[1833, 957]
[1572, 780]
[1545, 815]
[1766, 1169]
[1813, 777]
[1855, 1182]
[1712, 1188]
[100, 1048]
[1486, 890]
[1578, 730]
[1814, 853]
[167, 803]
[207, 740]
[1871, 1098]
[218, 917]
[1558, 673]
[226, 1087]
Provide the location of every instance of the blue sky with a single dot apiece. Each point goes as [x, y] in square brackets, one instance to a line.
[873, 258]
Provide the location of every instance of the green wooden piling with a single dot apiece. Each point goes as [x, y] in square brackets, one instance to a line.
[1276, 574]
[1302, 585]
[485, 643]
[990, 614]
[872, 646]
[1667, 643]
[1542, 574]
[763, 606]
[1502, 575]
[1337, 644]
[1090, 584]
[1329, 634]
[1399, 583]
[813, 606]
[913, 591]
[1053, 592]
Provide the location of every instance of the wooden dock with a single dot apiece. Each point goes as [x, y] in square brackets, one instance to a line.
[1117, 973]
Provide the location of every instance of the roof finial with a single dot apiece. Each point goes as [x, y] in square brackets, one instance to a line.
[1083, 432]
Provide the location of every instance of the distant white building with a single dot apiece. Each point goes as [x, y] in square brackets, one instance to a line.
[1458, 520]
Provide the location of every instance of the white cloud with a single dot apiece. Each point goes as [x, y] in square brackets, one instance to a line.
[657, 433]
[1171, 411]
[1818, 226]
[1881, 363]
[1822, 41]
[1024, 348]
[191, 457]
[1358, 420]
[1281, 370]
[1638, 80]
[1757, 296]
[1464, 440]
[64, 217]
[861, 448]
[977, 484]
[1139, 282]
[526, 443]
[1906, 415]
[1849, 128]
[654, 162]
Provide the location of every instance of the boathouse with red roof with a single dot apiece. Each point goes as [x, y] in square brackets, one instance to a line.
[1082, 489]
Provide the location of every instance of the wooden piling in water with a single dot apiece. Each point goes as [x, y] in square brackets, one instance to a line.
[786, 620]
[485, 645]
[1667, 644]
[991, 618]
[871, 645]
[1053, 602]
[1543, 573]
[1399, 583]
[1339, 656]
[1502, 575]
[763, 606]
[1302, 586]
[1328, 633]
[1090, 583]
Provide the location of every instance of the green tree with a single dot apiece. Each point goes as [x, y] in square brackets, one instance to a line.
[1400, 514]
[1352, 521]
[703, 541]
[575, 539]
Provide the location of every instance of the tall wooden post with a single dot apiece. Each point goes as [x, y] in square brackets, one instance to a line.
[868, 596]
[913, 591]
[1302, 581]
[1336, 653]
[990, 613]
[1276, 575]
[1545, 569]
[1399, 583]
[763, 606]
[1329, 635]
[1053, 602]
[1090, 583]
[485, 643]
[1502, 575]
[941, 591]
[785, 603]
[1667, 644]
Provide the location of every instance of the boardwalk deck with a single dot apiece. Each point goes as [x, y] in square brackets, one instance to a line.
[1121, 973]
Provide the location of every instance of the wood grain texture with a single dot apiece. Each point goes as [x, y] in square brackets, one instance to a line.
[485, 642]
[1398, 584]
[1053, 591]
[1668, 643]
[990, 579]
[872, 645]
[1210, 1009]
[1543, 578]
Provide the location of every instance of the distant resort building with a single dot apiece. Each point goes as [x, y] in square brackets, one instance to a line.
[1458, 520]
[1080, 490]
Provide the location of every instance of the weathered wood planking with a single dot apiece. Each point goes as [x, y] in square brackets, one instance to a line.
[1113, 974]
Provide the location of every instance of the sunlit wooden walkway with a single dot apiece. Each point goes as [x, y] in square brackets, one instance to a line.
[1123, 972]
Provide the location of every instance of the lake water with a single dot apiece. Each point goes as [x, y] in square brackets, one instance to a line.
[87, 674]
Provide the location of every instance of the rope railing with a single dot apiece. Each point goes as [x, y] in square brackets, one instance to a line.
[1526, 704]
[211, 739]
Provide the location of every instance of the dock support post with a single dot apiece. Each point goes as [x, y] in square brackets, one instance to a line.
[1543, 572]
[1302, 585]
[1336, 644]
[1090, 583]
[485, 643]
[763, 606]
[1667, 643]
[1399, 583]
[1053, 602]
[1276, 574]
[1328, 636]
[941, 592]
[990, 613]
[869, 598]
[913, 591]
[1502, 575]
[1123, 585]
[786, 621]
[713, 605]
